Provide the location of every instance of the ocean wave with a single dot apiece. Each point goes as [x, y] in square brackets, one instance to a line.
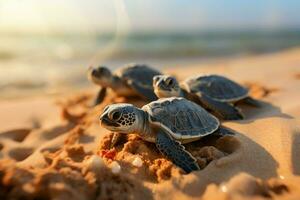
[160, 45]
[46, 63]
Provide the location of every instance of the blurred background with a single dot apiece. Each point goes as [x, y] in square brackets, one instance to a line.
[46, 46]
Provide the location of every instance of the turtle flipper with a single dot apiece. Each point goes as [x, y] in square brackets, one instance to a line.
[221, 109]
[115, 139]
[173, 150]
[146, 91]
[222, 131]
[100, 96]
[252, 102]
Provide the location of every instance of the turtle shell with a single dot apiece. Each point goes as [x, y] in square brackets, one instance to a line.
[140, 74]
[183, 119]
[139, 78]
[216, 87]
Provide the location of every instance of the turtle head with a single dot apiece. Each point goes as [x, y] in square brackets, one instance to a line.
[100, 75]
[166, 86]
[121, 117]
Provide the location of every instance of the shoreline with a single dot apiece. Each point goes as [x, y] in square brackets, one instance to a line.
[165, 65]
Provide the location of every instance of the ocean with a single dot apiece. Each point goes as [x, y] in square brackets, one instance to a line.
[50, 64]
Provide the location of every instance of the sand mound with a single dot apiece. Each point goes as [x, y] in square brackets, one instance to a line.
[157, 168]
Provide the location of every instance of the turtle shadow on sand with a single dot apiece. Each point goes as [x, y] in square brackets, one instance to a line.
[266, 110]
[248, 157]
[296, 154]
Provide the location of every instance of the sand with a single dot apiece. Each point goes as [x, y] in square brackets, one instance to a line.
[55, 148]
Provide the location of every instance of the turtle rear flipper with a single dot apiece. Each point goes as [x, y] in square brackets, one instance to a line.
[100, 96]
[221, 109]
[252, 102]
[222, 131]
[173, 150]
[145, 91]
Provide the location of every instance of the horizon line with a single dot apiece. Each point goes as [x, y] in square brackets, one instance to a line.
[146, 32]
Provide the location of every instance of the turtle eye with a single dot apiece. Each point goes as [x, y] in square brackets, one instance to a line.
[116, 115]
[169, 81]
[106, 108]
[93, 72]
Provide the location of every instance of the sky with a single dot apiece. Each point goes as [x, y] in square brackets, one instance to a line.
[146, 15]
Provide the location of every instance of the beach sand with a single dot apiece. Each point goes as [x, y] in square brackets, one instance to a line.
[55, 148]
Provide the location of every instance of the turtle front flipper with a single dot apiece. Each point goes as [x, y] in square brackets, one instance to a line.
[115, 139]
[221, 109]
[174, 151]
[100, 96]
[144, 90]
[252, 102]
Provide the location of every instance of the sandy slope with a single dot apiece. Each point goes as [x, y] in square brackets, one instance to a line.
[53, 145]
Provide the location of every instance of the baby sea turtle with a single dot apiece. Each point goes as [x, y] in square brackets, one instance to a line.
[215, 93]
[131, 80]
[168, 123]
